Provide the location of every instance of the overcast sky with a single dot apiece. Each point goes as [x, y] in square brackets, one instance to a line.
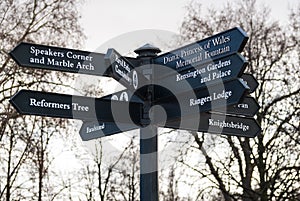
[104, 20]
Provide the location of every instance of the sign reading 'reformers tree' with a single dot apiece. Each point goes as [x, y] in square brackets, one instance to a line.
[201, 87]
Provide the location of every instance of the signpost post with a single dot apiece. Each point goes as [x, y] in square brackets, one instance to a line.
[148, 134]
[201, 87]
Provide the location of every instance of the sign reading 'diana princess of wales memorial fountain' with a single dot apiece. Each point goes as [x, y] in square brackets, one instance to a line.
[208, 77]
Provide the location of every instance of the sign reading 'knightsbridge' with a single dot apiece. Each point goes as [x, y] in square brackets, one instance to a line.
[202, 82]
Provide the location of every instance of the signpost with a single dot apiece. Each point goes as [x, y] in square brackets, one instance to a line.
[200, 86]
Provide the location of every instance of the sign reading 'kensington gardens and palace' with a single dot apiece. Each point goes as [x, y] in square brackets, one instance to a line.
[204, 79]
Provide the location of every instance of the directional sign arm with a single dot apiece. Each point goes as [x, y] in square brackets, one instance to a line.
[214, 47]
[218, 124]
[211, 73]
[124, 72]
[203, 100]
[59, 59]
[124, 95]
[75, 107]
[247, 107]
[95, 129]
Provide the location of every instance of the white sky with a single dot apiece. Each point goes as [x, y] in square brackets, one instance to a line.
[104, 20]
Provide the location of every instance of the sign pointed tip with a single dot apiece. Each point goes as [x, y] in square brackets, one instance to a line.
[14, 101]
[243, 31]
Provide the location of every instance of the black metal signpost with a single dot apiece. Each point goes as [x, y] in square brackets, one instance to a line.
[201, 87]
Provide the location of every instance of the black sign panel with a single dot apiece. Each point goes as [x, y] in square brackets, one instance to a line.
[250, 81]
[75, 107]
[206, 50]
[59, 59]
[217, 71]
[247, 107]
[95, 129]
[204, 100]
[123, 71]
[217, 124]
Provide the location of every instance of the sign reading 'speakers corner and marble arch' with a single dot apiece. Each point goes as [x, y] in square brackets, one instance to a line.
[215, 62]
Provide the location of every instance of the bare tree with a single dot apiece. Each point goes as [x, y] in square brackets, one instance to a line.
[46, 22]
[127, 186]
[267, 166]
[110, 177]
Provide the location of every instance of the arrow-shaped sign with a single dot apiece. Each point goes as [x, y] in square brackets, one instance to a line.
[247, 107]
[204, 100]
[95, 129]
[123, 71]
[250, 81]
[217, 124]
[76, 107]
[217, 71]
[206, 50]
[60, 59]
